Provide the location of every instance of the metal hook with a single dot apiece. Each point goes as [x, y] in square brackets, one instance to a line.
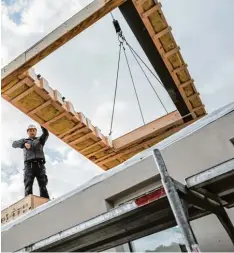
[121, 38]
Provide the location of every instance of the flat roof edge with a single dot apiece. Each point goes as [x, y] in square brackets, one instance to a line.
[206, 120]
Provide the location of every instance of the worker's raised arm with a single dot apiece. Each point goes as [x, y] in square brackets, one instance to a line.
[44, 136]
[18, 144]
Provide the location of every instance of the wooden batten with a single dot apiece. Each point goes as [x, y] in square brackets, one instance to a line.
[152, 10]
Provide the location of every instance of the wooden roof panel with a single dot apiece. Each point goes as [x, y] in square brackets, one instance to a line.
[39, 101]
[32, 94]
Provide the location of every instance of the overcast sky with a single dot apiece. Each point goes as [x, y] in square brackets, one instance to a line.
[84, 71]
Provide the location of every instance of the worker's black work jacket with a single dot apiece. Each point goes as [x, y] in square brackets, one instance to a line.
[35, 152]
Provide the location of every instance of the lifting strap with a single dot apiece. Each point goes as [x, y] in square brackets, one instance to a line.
[123, 40]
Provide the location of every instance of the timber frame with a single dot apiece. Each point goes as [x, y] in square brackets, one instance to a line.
[32, 94]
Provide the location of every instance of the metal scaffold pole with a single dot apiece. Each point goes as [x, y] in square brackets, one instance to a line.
[176, 204]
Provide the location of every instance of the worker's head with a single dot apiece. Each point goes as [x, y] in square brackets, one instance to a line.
[32, 131]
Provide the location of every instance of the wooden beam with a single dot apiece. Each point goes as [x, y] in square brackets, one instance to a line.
[190, 82]
[144, 131]
[17, 85]
[144, 145]
[152, 10]
[82, 138]
[80, 130]
[162, 33]
[61, 35]
[180, 68]
[91, 146]
[25, 93]
[97, 151]
[40, 107]
[171, 52]
[199, 108]
[193, 96]
[71, 130]
[65, 113]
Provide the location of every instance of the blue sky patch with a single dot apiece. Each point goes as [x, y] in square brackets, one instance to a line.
[16, 16]
[9, 2]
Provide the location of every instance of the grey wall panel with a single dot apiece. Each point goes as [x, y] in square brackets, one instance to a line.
[199, 150]
[77, 208]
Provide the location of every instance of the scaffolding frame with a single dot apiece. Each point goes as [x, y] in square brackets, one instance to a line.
[207, 201]
[169, 205]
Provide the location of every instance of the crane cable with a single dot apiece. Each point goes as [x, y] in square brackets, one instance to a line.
[123, 40]
[134, 86]
[116, 86]
[149, 81]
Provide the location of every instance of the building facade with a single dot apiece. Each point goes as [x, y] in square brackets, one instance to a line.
[196, 148]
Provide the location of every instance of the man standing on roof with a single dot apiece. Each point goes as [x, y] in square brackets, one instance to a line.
[34, 160]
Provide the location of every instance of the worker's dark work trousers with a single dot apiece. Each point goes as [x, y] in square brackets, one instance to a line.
[38, 170]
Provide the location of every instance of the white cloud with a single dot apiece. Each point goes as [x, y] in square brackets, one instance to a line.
[17, 6]
[38, 17]
[12, 191]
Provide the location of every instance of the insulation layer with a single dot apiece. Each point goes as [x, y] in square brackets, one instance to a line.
[161, 34]
[34, 97]
[39, 101]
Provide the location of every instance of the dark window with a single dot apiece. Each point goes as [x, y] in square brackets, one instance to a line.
[169, 240]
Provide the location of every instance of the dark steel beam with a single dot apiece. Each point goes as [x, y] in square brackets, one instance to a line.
[134, 21]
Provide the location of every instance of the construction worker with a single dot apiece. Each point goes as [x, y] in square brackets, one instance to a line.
[34, 160]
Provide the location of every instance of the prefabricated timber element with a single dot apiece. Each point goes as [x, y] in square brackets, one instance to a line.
[151, 16]
[147, 130]
[161, 34]
[33, 96]
[21, 207]
[133, 145]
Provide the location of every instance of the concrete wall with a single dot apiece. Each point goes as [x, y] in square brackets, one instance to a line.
[200, 150]
[203, 149]
[78, 208]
